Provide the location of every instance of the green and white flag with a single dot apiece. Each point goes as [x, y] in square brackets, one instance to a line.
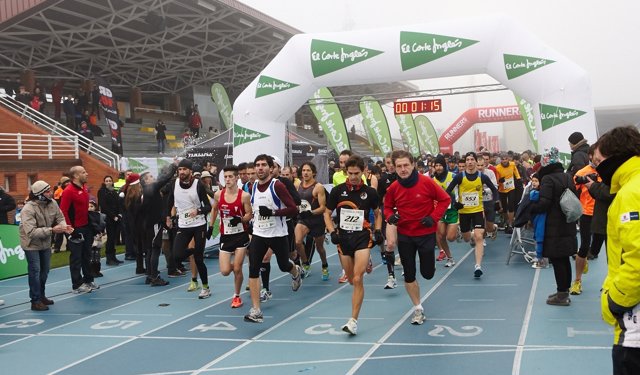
[427, 135]
[516, 65]
[408, 133]
[220, 97]
[526, 110]
[327, 57]
[551, 115]
[376, 124]
[419, 48]
[326, 110]
[243, 135]
[268, 85]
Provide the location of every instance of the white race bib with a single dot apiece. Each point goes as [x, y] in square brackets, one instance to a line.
[351, 219]
[264, 222]
[471, 199]
[231, 229]
[508, 184]
[187, 220]
[305, 205]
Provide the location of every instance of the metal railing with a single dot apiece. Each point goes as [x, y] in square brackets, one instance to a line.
[153, 110]
[56, 128]
[38, 145]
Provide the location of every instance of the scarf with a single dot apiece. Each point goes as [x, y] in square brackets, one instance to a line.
[575, 147]
[409, 181]
[608, 167]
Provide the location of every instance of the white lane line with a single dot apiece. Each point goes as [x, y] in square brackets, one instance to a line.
[91, 356]
[517, 360]
[402, 320]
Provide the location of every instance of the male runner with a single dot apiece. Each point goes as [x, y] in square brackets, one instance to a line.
[448, 225]
[508, 176]
[488, 202]
[386, 179]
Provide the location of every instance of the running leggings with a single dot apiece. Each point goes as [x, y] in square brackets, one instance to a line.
[183, 237]
[424, 246]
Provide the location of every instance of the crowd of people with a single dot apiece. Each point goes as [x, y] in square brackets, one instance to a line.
[413, 206]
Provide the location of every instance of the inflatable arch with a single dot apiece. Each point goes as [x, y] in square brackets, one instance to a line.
[557, 91]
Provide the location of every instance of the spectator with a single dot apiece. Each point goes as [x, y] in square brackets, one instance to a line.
[56, 96]
[95, 100]
[35, 102]
[17, 217]
[69, 112]
[23, 96]
[579, 153]
[93, 125]
[186, 137]
[85, 131]
[161, 136]
[7, 203]
[195, 123]
[42, 97]
[57, 195]
[109, 205]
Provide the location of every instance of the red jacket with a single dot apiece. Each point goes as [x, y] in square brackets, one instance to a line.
[423, 199]
[74, 205]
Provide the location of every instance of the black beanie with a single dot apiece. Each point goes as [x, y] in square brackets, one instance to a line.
[440, 160]
[575, 137]
[186, 163]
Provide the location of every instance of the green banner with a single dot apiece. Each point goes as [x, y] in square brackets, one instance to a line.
[516, 65]
[565, 159]
[551, 116]
[376, 123]
[427, 135]
[267, 86]
[526, 111]
[329, 117]
[243, 135]
[12, 259]
[327, 57]
[418, 49]
[408, 133]
[220, 97]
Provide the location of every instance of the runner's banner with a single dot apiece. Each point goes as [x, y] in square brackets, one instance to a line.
[324, 107]
[408, 133]
[376, 123]
[110, 108]
[427, 135]
[221, 99]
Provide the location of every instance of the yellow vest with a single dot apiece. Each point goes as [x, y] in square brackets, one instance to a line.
[510, 174]
[470, 195]
[340, 177]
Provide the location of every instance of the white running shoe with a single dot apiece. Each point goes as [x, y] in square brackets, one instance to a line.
[265, 295]
[297, 280]
[418, 317]
[84, 288]
[450, 262]
[391, 283]
[204, 293]
[93, 286]
[351, 327]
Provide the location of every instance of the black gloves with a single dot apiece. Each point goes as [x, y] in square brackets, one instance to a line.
[210, 232]
[427, 221]
[235, 221]
[458, 206]
[335, 239]
[393, 219]
[377, 237]
[501, 180]
[305, 214]
[265, 211]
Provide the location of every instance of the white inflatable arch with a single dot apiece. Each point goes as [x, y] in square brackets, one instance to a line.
[557, 90]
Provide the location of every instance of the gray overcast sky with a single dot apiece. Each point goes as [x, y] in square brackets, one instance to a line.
[602, 37]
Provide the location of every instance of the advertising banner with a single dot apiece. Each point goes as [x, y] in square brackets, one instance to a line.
[526, 110]
[330, 119]
[12, 259]
[220, 97]
[427, 135]
[408, 133]
[110, 107]
[375, 122]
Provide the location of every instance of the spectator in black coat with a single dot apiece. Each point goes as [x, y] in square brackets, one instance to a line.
[110, 206]
[579, 153]
[7, 203]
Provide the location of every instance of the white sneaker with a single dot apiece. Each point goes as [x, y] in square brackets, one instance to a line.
[391, 283]
[93, 286]
[265, 295]
[418, 317]
[477, 271]
[398, 262]
[297, 280]
[204, 293]
[351, 327]
[450, 262]
[83, 288]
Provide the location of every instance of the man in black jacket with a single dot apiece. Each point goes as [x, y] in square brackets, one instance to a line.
[110, 206]
[579, 153]
[7, 203]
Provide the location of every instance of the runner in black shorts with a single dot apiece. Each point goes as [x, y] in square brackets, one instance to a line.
[384, 182]
[353, 200]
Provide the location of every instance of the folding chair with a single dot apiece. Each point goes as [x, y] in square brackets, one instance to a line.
[520, 240]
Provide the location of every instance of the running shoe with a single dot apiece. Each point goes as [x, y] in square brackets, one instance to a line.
[418, 317]
[176, 273]
[343, 278]
[84, 288]
[325, 273]
[493, 235]
[204, 293]
[254, 316]
[307, 271]
[193, 286]
[369, 265]
[586, 267]
[296, 281]
[441, 256]
[391, 283]
[351, 327]
[397, 262]
[93, 286]
[159, 281]
[450, 262]
[576, 288]
[265, 295]
[477, 272]
[236, 302]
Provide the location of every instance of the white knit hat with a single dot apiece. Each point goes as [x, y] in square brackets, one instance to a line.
[40, 187]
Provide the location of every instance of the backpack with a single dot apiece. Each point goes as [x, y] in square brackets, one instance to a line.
[570, 205]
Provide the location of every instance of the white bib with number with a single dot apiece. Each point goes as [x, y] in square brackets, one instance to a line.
[351, 219]
[304, 205]
[265, 222]
[231, 229]
[471, 199]
[508, 183]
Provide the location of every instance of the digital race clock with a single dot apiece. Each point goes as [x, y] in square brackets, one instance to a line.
[417, 106]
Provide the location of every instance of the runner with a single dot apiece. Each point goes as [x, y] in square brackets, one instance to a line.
[234, 207]
[489, 204]
[417, 204]
[448, 224]
[469, 205]
[387, 178]
[353, 200]
[311, 219]
[272, 203]
[508, 176]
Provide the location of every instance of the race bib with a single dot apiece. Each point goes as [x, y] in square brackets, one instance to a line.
[351, 219]
[231, 229]
[304, 206]
[187, 220]
[508, 184]
[265, 222]
[471, 199]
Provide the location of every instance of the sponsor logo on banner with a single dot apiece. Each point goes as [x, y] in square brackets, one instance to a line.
[551, 116]
[427, 135]
[418, 49]
[327, 57]
[243, 135]
[267, 86]
[220, 97]
[408, 133]
[12, 259]
[137, 166]
[565, 158]
[110, 109]
[376, 122]
[330, 119]
[527, 116]
[516, 65]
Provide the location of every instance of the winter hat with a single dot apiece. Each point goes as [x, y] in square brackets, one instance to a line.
[39, 187]
[64, 179]
[550, 157]
[186, 163]
[575, 137]
[206, 174]
[133, 179]
[440, 160]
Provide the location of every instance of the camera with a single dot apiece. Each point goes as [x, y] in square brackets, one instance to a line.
[584, 180]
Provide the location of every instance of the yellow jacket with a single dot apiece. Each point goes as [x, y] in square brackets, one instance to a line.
[621, 288]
